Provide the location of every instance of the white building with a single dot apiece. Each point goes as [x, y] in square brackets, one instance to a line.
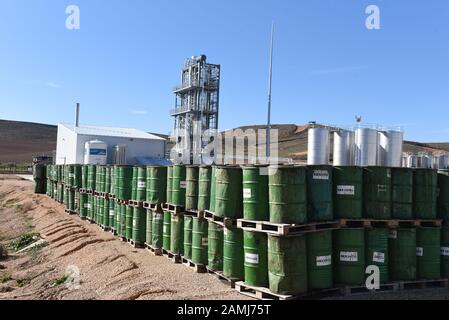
[141, 147]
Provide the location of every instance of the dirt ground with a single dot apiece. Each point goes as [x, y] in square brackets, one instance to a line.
[107, 268]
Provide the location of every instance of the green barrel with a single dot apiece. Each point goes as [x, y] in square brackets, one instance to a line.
[320, 205]
[287, 265]
[156, 185]
[78, 179]
[139, 226]
[134, 183]
[213, 186]
[215, 247]
[90, 200]
[228, 192]
[118, 219]
[166, 234]
[349, 256]
[70, 175]
[179, 186]
[377, 192]
[91, 177]
[72, 200]
[255, 248]
[111, 221]
[402, 254]
[107, 180]
[149, 228]
[124, 185]
[116, 180]
[425, 182]
[61, 193]
[157, 230]
[319, 260]
[443, 195]
[102, 179]
[192, 176]
[188, 228]
[428, 253]
[112, 186]
[101, 213]
[348, 192]
[402, 193]
[445, 252]
[141, 192]
[287, 194]
[177, 234]
[199, 241]
[376, 251]
[255, 193]
[106, 206]
[94, 208]
[84, 175]
[65, 198]
[39, 186]
[204, 184]
[233, 255]
[169, 185]
[129, 218]
[39, 172]
[60, 173]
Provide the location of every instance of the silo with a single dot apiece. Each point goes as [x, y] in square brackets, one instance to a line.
[343, 148]
[365, 146]
[394, 148]
[318, 146]
[382, 148]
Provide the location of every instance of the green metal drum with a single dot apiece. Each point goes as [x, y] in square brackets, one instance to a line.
[84, 174]
[213, 184]
[199, 241]
[111, 222]
[443, 196]
[319, 260]
[156, 185]
[425, 183]
[167, 231]
[349, 255]
[402, 254]
[233, 265]
[106, 206]
[107, 180]
[402, 197]
[124, 182]
[129, 222]
[228, 192]
[139, 226]
[287, 265]
[188, 228]
[376, 240]
[255, 248]
[90, 201]
[141, 193]
[445, 252]
[179, 186]
[101, 211]
[377, 192]
[288, 194]
[215, 247]
[204, 184]
[320, 193]
[177, 234]
[149, 228]
[348, 192]
[78, 177]
[192, 176]
[157, 230]
[428, 253]
[134, 183]
[255, 193]
[169, 185]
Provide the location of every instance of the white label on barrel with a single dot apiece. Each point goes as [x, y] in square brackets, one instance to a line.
[71, 175]
[182, 184]
[349, 256]
[86, 205]
[252, 258]
[141, 184]
[381, 188]
[165, 229]
[320, 175]
[445, 251]
[346, 190]
[205, 242]
[379, 257]
[323, 261]
[158, 216]
[134, 223]
[393, 234]
[419, 251]
[111, 212]
[246, 193]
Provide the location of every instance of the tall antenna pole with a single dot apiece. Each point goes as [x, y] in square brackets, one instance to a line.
[269, 92]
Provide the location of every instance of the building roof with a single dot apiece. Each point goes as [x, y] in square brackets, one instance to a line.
[111, 132]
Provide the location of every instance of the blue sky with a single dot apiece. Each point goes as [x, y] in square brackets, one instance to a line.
[123, 62]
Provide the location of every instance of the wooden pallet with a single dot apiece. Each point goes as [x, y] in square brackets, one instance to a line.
[176, 258]
[152, 206]
[194, 213]
[351, 290]
[86, 191]
[198, 268]
[173, 208]
[70, 212]
[136, 204]
[423, 284]
[154, 251]
[123, 202]
[393, 223]
[260, 293]
[286, 229]
[136, 245]
[220, 275]
[104, 228]
[122, 239]
[428, 223]
[113, 231]
[222, 221]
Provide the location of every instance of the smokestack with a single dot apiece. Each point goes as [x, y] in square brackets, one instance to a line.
[77, 115]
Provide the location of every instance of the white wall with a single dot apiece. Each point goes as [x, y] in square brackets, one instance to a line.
[66, 146]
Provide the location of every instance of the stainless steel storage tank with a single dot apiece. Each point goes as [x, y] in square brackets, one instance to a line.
[366, 146]
[382, 148]
[318, 146]
[394, 148]
[343, 148]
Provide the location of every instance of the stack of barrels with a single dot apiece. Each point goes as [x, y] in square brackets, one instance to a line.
[40, 179]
